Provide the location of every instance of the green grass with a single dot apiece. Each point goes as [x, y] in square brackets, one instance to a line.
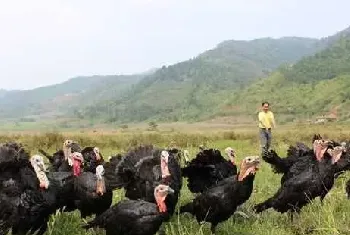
[331, 218]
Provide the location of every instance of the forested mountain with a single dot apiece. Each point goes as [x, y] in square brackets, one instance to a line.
[315, 85]
[193, 89]
[327, 64]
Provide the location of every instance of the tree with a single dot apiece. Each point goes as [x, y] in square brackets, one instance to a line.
[152, 126]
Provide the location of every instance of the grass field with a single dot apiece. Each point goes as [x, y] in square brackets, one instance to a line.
[331, 218]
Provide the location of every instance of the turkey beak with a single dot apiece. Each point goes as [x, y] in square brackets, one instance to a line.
[233, 153]
[170, 190]
[256, 162]
[97, 156]
[41, 166]
[69, 144]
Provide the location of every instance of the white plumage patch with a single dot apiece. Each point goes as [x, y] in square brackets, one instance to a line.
[100, 171]
[38, 164]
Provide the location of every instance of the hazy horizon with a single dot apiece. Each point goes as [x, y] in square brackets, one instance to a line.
[47, 42]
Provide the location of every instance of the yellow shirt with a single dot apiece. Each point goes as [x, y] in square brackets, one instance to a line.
[266, 120]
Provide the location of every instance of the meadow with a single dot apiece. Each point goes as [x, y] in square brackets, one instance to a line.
[331, 218]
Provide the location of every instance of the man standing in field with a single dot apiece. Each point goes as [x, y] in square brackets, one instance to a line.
[266, 122]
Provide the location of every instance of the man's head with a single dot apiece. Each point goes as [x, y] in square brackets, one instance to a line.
[265, 106]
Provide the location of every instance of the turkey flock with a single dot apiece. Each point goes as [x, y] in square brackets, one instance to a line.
[81, 179]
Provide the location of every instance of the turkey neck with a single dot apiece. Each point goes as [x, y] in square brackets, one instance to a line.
[66, 152]
[244, 189]
[325, 166]
[326, 171]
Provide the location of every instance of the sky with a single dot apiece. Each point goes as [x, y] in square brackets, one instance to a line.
[45, 42]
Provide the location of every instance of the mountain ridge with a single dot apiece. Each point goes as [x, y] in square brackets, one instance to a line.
[198, 84]
[315, 85]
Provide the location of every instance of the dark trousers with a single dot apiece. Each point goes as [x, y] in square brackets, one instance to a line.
[265, 139]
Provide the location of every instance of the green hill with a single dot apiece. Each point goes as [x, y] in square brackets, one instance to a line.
[62, 99]
[316, 85]
[193, 89]
[324, 65]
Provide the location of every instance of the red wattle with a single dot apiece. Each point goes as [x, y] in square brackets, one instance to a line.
[76, 168]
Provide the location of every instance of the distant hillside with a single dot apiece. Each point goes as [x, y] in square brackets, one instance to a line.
[3, 93]
[193, 89]
[62, 98]
[316, 85]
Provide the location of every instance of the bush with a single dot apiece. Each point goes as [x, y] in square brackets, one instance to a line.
[124, 126]
[27, 119]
